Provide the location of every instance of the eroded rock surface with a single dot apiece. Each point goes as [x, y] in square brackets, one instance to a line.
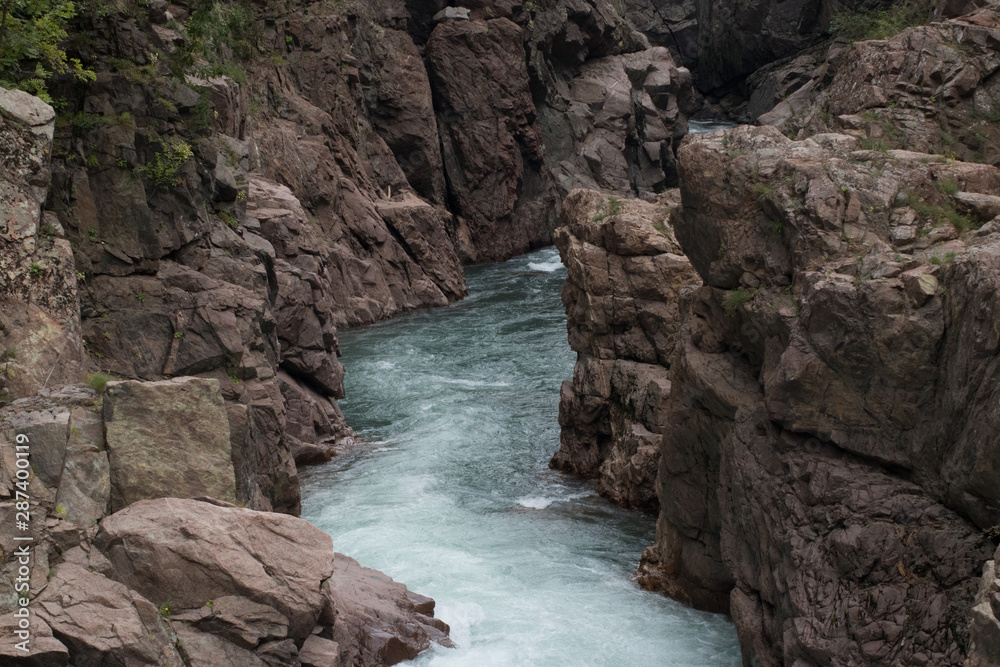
[625, 271]
[824, 472]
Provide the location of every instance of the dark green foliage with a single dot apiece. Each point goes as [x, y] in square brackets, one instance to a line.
[861, 24]
[31, 32]
[223, 35]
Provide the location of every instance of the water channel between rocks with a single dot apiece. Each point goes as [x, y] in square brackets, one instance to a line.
[453, 495]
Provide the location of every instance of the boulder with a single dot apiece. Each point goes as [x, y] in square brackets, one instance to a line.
[259, 586]
[96, 617]
[168, 439]
[377, 622]
[190, 553]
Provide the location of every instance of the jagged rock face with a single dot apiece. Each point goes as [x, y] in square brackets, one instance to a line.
[39, 312]
[491, 144]
[617, 122]
[831, 384]
[327, 148]
[821, 404]
[670, 24]
[625, 272]
[399, 102]
[929, 89]
[932, 88]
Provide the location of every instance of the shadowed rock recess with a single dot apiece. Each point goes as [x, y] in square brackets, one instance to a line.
[792, 359]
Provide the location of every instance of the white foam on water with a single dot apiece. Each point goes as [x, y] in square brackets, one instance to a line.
[536, 503]
[545, 267]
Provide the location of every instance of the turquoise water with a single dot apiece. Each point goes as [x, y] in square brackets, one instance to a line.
[453, 494]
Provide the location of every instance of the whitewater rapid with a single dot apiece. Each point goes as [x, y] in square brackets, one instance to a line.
[453, 496]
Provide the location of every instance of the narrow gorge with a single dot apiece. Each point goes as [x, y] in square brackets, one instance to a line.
[276, 279]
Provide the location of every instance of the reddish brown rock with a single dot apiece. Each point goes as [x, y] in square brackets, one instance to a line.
[803, 394]
[96, 617]
[821, 449]
[491, 144]
[624, 273]
[240, 583]
[39, 312]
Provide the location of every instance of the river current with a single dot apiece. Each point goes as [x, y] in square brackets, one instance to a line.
[452, 493]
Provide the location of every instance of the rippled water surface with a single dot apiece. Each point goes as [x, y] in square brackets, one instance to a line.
[454, 496]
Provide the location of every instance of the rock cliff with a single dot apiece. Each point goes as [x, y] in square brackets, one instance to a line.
[826, 396]
[930, 88]
[187, 233]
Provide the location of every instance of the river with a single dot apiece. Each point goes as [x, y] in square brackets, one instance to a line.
[453, 494]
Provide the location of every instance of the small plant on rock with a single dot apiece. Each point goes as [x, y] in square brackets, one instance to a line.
[99, 381]
[735, 299]
[162, 171]
[614, 205]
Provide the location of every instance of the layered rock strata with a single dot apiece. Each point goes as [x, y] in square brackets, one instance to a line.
[826, 470]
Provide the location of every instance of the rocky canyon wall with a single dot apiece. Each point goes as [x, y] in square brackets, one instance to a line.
[183, 238]
[825, 403]
[140, 550]
[224, 219]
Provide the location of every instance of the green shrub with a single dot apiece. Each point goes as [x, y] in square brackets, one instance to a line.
[938, 214]
[947, 186]
[99, 381]
[162, 171]
[735, 299]
[614, 205]
[870, 144]
[221, 34]
[229, 219]
[862, 24]
[31, 32]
